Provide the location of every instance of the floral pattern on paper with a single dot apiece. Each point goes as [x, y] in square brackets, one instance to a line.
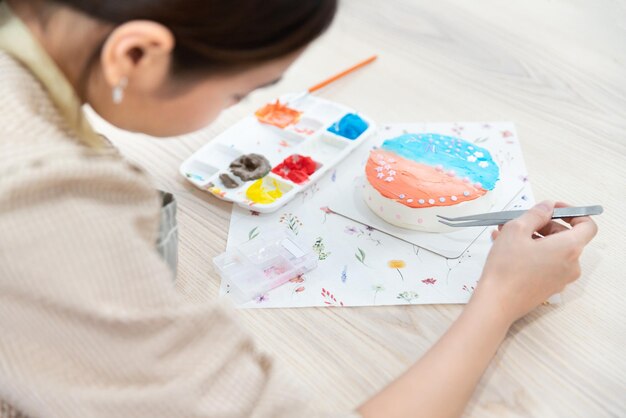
[254, 232]
[374, 268]
[320, 249]
[360, 255]
[377, 288]
[366, 232]
[329, 298]
[408, 296]
[292, 222]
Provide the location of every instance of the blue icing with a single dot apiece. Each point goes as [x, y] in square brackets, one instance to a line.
[351, 126]
[466, 159]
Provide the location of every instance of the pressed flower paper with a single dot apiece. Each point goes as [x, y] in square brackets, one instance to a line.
[360, 266]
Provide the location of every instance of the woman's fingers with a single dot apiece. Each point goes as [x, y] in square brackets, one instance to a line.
[572, 241]
[584, 229]
[534, 218]
[552, 228]
[537, 221]
[564, 205]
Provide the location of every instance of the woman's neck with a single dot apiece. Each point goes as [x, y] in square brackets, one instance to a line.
[67, 36]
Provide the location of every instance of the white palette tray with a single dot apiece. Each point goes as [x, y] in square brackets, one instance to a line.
[309, 137]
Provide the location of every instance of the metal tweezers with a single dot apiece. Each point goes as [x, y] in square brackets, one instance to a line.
[499, 218]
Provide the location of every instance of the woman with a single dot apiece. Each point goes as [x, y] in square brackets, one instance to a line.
[91, 323]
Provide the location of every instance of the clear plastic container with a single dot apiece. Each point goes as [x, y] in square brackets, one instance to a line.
[264, 263]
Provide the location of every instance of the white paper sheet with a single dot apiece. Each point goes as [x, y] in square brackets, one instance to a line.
[359, 265]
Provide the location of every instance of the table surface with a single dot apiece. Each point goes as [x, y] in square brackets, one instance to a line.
[558, 70]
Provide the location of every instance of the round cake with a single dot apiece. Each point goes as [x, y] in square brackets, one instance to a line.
[415, 177]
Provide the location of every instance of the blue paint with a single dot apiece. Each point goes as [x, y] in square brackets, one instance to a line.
[195, 176]
[452, 154]
[351, 126]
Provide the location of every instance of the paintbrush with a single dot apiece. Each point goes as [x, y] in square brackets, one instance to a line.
[299, 96]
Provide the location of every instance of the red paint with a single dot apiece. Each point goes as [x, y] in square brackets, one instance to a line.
[296, 168]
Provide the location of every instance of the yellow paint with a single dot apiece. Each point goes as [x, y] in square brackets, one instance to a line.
[217, 191]
[259, 194]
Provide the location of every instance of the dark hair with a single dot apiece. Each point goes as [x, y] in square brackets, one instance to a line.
[222, 35]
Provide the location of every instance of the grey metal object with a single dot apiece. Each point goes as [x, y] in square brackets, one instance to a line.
[167, 242]
[499, 218]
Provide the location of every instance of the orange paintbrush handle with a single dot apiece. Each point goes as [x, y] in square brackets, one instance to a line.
[341, 74]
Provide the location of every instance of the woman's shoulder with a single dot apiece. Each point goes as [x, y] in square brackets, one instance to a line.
[34, 135]
[25, 106]
[30, 124]
[27, 109]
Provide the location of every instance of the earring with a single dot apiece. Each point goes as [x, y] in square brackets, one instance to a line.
[118, 91]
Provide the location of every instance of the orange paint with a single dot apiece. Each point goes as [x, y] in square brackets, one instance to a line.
[217, 191]
[413, 182]
[278, 114]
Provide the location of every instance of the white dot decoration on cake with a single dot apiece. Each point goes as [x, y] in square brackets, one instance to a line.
[422, 175]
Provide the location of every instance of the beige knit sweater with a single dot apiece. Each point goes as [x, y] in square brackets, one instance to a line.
[90, 322]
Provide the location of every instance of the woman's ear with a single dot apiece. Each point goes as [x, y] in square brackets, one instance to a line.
[137, 53]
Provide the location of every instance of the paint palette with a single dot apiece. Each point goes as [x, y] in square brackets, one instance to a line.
[266, 159]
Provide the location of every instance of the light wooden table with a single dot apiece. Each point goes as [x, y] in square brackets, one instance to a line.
[558, 70]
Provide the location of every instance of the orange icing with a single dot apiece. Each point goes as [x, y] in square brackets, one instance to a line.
[413, 181]
[278, 114]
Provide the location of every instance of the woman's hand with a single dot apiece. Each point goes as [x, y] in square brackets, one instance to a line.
[520, 273]
[532, 258]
